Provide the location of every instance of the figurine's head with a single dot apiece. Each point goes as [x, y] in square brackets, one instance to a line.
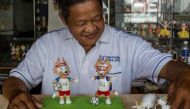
[165, 22]
[103, 66]
[61, 68]
[183, 26]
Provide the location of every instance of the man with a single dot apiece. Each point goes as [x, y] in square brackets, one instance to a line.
[85, 39]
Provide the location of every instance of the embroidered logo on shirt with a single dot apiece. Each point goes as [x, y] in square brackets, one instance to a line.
[110, 58]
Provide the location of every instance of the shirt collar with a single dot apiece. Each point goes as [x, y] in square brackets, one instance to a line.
[105, 35]
[68, 35]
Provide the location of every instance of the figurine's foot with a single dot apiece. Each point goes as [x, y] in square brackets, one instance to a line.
[108, 101]
[61, 102]
[68, 102]
[54, 95]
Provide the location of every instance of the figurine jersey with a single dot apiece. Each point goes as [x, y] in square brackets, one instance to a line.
[104, 86]
[61, 84]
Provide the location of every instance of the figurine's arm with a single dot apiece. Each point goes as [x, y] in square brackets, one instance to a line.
[168, 23]
[95, 77]
[73, 80]
[161, 24]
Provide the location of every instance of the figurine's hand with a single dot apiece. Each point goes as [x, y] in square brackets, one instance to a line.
[93, 78]
[179, 91]
[24, 101]
[76, 80]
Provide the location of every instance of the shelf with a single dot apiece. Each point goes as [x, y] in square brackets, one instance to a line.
[23, 39]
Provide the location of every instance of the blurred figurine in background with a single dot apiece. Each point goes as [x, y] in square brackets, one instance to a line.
[103, 66]
[13, 52]
[183, 33]
[164, 32]
[61, 84]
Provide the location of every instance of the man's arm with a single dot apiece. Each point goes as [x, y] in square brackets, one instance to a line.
[178, 73]
[173, 69]
[15, 90]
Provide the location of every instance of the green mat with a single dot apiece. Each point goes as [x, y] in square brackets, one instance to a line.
[82, 102]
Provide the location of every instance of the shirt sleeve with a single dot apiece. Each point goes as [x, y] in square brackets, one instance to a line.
[31, 68]
[147, 62]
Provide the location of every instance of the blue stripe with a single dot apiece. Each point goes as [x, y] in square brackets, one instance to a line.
[23, 76]
[157, 66]
[114, 73]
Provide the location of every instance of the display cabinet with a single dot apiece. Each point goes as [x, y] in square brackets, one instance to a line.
[163, 23]
[16, 30]
[40, 17]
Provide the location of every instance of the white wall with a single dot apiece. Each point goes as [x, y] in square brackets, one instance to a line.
[54, 22]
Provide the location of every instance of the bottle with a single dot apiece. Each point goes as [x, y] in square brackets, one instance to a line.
[185, 52]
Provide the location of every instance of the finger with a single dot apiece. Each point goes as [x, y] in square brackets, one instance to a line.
[37, 102]
[22, 105]
[29, 102]
[177, 100]
[171, 91]
[15, 106]
[9, 106]
[186, 106]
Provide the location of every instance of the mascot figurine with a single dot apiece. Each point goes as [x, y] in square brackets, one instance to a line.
[103, 66]
[61, 84]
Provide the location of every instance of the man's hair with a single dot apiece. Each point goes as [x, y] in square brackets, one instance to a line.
[64, 6]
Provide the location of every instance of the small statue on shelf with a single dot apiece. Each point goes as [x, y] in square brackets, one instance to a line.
[13, 52]
[143, 30]
[164, 32]
[61, 84]
[17, 53]
[103, 66]
[174, 29]
[23, 50]
[183, 33]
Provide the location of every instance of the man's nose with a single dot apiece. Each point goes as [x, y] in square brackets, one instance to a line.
[90, 27]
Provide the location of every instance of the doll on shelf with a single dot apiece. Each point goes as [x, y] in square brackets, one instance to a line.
[183, 33]
[61, 84]
[164, 32]
[103, 66]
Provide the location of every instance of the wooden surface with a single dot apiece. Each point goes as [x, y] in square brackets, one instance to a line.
[128, 100]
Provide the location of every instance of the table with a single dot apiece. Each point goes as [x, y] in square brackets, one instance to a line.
[128, 99]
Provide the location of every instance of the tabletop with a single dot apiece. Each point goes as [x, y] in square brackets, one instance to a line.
[128, 99]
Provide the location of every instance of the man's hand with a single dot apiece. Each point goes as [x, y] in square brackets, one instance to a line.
[15, 90]
[178, 73]
[179, 91]
[24, 101]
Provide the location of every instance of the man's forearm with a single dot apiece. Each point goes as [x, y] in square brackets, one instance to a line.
[173, 69]
[12, 87]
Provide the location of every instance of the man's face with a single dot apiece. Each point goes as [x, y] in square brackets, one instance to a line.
[86, 22]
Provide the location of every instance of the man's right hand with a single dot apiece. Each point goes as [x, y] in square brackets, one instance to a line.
[15, 90]
[24, 101]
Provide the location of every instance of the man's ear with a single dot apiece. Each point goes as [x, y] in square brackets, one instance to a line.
[63, 19]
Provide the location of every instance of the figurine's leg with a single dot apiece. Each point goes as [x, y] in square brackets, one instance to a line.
[61, 100]
[108, 101]
[54, 95]
[68, 100]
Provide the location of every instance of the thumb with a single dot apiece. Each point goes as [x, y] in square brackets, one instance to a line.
[37, 102]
